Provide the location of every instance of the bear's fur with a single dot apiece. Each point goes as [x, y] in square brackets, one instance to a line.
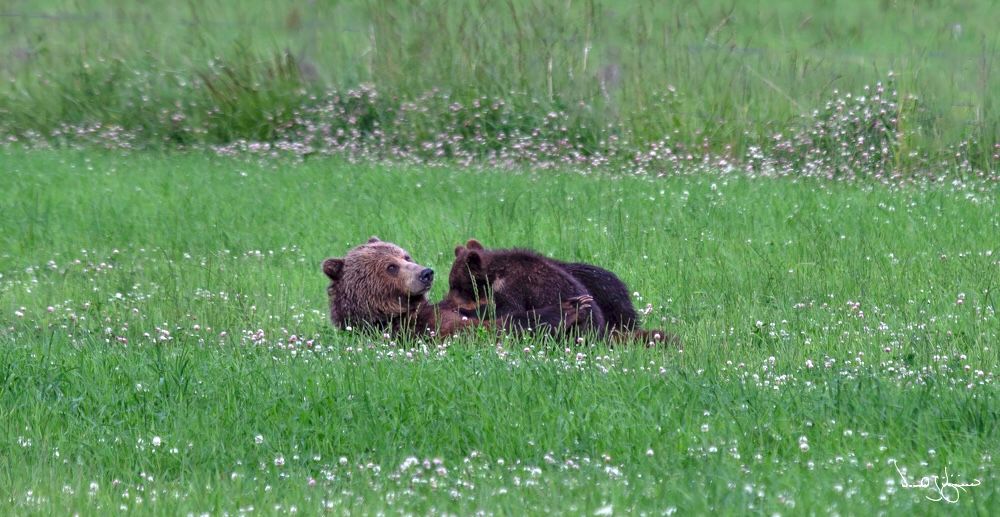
[523, 289]
[526, 286]
[609, 292]
[378, 286]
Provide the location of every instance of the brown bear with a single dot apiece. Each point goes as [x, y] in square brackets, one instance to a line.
[521, 290]
[377, 286]
[527, 288]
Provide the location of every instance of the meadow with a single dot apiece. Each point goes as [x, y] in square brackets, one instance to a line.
[165, 349]
[805, 192]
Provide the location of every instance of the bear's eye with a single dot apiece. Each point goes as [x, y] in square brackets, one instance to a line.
[407, 258]
[392, 268]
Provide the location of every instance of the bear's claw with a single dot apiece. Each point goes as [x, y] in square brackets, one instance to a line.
[577, 310]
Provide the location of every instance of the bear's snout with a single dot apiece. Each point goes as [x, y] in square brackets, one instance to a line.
[426, 276]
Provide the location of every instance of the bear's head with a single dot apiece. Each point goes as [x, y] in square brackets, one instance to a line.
[469, 288]
[374, 283]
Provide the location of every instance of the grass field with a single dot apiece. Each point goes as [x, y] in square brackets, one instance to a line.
[164, 347]
[805, 192]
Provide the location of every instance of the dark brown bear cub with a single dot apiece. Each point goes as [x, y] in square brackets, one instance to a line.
[609, 292]
[378, 286]
[524, 289]
[611, 295]
[526, 286]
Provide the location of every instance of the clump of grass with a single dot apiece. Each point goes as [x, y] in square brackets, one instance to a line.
[250, 98]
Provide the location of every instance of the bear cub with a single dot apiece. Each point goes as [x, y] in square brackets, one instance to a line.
[521, 290]
[527, 289]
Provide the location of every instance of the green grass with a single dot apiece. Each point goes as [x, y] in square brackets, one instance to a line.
[713, 76]
[887, 292]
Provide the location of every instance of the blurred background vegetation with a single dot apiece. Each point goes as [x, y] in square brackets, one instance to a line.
[720, 77]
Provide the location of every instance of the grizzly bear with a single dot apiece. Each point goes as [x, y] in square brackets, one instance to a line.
[609, 292]
[527, 288]
[378, 286]
[521, 290]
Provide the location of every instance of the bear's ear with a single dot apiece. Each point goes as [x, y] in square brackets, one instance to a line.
[458, 250]
[333, 267]
[473, 244]
[373, 239]
[474, 261]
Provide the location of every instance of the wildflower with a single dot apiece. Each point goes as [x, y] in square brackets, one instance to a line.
[604, 510]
